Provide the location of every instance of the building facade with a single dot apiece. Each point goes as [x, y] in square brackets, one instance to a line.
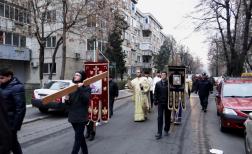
[19, 48]
[14, 35]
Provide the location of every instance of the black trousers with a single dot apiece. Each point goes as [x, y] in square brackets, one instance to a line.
[91, 128]
[163, 111]
[151, 98]
[79, 141]
[203, 101]
[111, 107]
[15, 147]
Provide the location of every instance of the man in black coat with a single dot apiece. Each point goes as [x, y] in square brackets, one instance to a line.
[5, 131]
[161, 99]
[113, 93]
[204, 87]
[14, 99]
[78, 112]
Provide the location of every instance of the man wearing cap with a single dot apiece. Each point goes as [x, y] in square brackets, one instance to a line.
[204, 87]
[78, 102]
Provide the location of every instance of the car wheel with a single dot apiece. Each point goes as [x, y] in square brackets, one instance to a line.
[222, 128]
[218, 114]
[43, 110]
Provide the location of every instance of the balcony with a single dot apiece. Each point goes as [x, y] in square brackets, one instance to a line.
[147, 39]
[146, 47]
[147, 65]
[15, 53]
[147, 27]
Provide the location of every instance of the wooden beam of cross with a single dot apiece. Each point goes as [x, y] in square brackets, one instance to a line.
[68, 90]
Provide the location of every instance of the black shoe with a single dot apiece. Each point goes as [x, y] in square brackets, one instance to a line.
[87, 135]
[166, 133]
[205, 110]
[91, 138]
[158, 136]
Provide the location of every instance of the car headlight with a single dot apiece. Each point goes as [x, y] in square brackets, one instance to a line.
[229, 111]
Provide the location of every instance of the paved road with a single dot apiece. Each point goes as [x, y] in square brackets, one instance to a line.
[197, 134]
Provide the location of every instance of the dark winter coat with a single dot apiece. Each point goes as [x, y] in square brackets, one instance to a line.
[78, 105]
[113, 89]
[5, 131]
[161, 92]
[204, 87]
[14, 100]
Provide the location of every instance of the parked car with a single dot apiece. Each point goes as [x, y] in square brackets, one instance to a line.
[248, 134]
[234, 102]
[50, 88]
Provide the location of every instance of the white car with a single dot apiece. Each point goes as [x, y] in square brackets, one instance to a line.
[50, 88]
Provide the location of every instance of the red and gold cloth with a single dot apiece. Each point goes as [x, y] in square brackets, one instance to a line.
[99, 104]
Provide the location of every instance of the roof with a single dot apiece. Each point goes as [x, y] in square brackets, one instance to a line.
[154, 19]
[237, 80]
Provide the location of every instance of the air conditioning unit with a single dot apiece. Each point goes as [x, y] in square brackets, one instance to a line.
[77, 56]
[34, 64]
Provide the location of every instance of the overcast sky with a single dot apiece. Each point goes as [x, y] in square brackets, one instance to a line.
[172, 16]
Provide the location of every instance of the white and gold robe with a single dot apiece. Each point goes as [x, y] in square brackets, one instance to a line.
[140, 97]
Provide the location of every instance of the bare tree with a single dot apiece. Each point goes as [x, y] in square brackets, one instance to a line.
[231, 18]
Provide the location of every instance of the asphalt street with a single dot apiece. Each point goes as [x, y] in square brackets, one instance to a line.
[198, 133]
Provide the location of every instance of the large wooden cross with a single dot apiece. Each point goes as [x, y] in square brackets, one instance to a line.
[68, 90]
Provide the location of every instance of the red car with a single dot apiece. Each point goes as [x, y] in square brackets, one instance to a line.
[234, 102]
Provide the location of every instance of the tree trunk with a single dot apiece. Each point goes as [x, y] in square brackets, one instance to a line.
[59, 42]
[63, 64]
[41, 63]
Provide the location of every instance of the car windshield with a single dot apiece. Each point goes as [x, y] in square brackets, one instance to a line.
[237, 90]
[56, 85]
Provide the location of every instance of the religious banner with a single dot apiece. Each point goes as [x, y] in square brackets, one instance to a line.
[176, 87]
[176, 101]
[99, 104]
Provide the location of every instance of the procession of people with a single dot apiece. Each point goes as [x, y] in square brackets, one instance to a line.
[147, 92]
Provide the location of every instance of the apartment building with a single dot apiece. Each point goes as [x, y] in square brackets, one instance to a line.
[19, 49]
[143, 38]
[81, 45]
[14, 36]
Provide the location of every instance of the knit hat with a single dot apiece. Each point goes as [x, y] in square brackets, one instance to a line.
[83, 76]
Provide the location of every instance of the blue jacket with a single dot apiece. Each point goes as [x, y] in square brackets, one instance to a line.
[204, 87]
[14, 99]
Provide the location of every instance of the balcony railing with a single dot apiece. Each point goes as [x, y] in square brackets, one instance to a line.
[146, 47]
[15, 53]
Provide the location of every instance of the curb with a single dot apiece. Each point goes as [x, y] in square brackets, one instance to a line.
[44, 117]
[35, 119]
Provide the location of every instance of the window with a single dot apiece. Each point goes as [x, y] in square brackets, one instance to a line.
[12, 12]
[90, 44]
[8, 38]
[23, 41]
[1, 37]
[47, 67]
[91, 21]
[51, 42]
[2, 9]
[21, 16]
[15, 40]
[138, 59]
[7, 11]
[16, 14]
[51, 15]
